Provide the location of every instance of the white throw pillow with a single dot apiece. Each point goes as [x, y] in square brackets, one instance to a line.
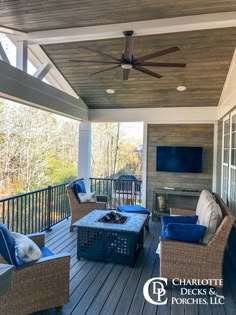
[209, 215]
[87, 197]
[26, 249]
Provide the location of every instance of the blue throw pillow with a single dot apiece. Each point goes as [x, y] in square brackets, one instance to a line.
[187, 219]
[184, 232]
[78, 187]
[7, 245]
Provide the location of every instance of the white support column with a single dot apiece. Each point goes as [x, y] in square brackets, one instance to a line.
[144, 177]
[216, 172]
[22, 55]
[3, 55]
[84, 161]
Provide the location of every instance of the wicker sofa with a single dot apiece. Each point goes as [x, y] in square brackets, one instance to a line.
[78, 210]
[38, 285]
[196, 261]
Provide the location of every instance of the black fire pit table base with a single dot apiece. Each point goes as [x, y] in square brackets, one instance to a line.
[111, 242]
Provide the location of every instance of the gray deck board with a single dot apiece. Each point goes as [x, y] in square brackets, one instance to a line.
[98, 288]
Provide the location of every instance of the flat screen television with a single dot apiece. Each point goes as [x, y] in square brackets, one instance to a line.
[179, 159]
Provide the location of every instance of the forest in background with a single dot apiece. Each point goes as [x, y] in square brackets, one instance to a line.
[38, 148]
[114, 152]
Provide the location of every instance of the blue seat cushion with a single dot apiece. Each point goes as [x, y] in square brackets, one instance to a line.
[78, 187]
[133, 209]
[184, 232]
[46, 252]
[187, 219]
[7, 245]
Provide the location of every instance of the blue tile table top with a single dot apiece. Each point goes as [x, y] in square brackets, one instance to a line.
[134, 223]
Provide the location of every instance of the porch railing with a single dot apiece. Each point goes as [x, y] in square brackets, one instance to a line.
[119, 192]
[39, 210]
[35, 211]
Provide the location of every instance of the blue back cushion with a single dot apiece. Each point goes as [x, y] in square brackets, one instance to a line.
[184, 232]
[187, 219]
[7, 245]
[78, 186]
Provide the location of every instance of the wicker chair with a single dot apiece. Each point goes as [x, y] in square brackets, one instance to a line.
[38, 285]
[78, 210]
[196, 261]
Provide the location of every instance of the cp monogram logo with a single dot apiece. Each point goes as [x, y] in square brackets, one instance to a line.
[157, 288]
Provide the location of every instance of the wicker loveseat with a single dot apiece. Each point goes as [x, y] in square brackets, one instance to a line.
[78, 210]
[38, 285]
[196, 261]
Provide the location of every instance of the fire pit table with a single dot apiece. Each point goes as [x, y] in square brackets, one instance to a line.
[116, 242]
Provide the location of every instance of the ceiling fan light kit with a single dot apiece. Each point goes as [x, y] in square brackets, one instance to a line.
[110, 91]
[181, 88]
[128, 62]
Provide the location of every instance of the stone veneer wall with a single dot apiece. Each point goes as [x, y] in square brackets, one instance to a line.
[179, 135]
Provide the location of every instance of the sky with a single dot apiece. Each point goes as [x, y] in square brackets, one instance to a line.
[132, 130]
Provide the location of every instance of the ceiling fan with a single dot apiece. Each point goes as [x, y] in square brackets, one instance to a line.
[128, 61]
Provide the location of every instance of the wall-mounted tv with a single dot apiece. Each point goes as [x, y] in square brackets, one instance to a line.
[179, 159]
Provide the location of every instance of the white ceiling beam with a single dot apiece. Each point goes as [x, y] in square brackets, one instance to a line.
[42, 71]
[3, 55]
[22, 55]
[140, 28]
[175, 115]
[21, 87]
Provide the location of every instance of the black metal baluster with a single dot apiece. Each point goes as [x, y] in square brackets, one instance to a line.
[49, 201]
[13, 215]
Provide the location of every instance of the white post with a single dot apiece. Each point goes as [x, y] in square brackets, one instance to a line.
[144, 177]
[84, 152]
[22, 55]
[215, 174]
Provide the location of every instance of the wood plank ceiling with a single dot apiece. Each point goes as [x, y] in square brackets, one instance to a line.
[38, 15]
[207, 53]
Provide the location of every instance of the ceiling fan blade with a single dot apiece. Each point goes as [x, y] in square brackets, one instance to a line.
[107, 69]
[129, 45]
[126, 74]
[101, 53]
[158, 53]
[95, 61]
[162, 64]
[146, 71]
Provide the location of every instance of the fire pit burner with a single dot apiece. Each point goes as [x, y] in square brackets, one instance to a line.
[113, 217]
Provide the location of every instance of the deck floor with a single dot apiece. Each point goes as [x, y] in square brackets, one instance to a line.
[107, 288]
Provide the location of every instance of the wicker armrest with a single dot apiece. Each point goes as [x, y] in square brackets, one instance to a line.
[47, 260]
[102, 198]
[176, 211]
[38, 238]
[182, 249]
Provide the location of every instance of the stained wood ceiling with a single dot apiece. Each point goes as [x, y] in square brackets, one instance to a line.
[38, 15]
[207, 53]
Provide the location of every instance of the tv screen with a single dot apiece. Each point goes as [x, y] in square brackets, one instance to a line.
[179, 159]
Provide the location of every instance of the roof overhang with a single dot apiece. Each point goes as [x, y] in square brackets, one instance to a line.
[21, 87]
